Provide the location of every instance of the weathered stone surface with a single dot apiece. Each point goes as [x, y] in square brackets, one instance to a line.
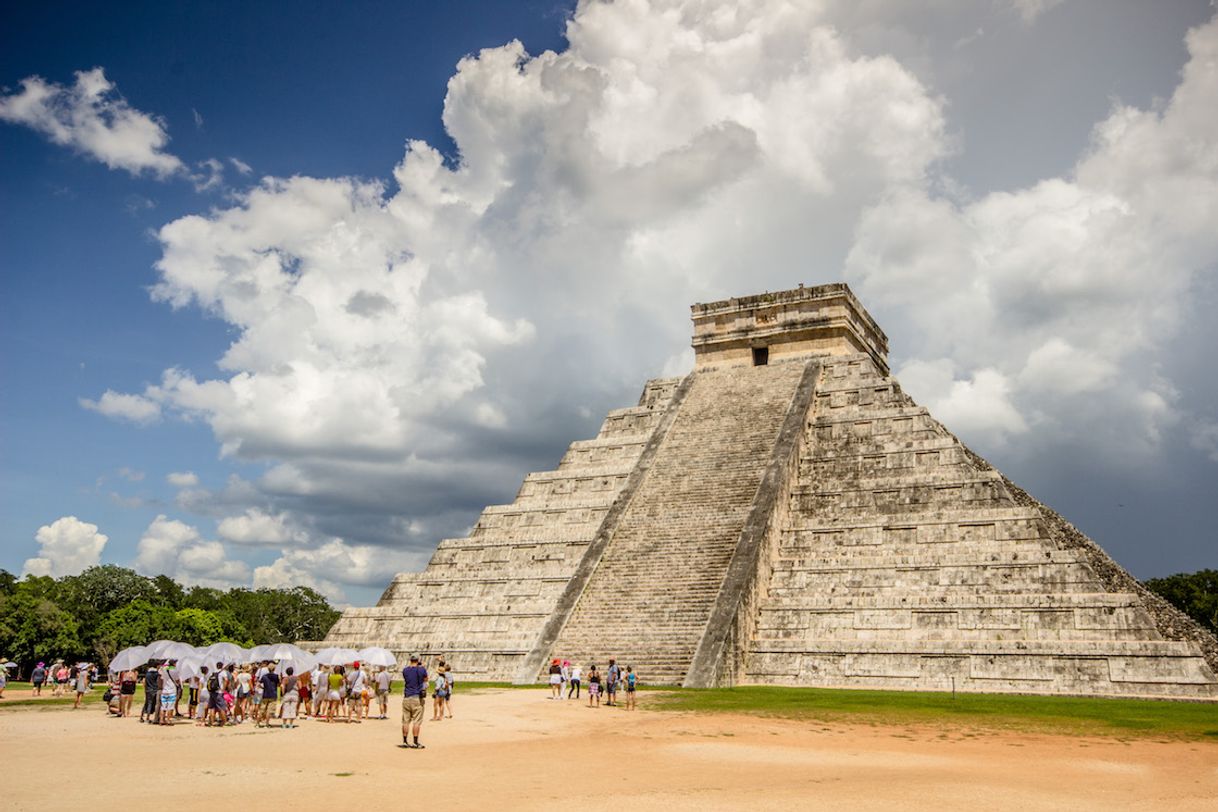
[484, 599]
[787, 515]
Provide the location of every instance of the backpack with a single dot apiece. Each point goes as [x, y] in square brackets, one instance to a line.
[213, 682]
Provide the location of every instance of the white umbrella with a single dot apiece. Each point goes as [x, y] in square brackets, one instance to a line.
[189, 667]
[339, 656]
[10, 664]
[287, 654]
[375, 655]
[129, 658]
[258, 653]
[281, 651]
[154, 649]
[177, 651]
[224, 653]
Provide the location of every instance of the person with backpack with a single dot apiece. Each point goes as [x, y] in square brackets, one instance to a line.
[216, 706]
[632, 682]
[612, 678]
[438, 695]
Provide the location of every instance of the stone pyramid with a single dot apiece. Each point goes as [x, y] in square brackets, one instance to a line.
[786, 515]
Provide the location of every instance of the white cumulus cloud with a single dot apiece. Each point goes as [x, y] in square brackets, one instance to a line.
[90, 117]
[182, 479]
[1063, 290]
[327, 567]
[134, 408]
[66, 546]
[258, 527]
[174, 548]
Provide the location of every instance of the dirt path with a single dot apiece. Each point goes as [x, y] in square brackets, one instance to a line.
[516, 749]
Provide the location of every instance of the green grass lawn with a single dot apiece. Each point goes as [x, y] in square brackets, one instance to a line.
[1049, 714]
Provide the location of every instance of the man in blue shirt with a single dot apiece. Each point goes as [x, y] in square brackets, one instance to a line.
[415, 676]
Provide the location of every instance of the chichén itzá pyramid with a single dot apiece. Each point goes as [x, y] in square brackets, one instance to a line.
[786, 515]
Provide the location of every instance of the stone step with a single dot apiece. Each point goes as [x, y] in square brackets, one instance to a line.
[936, 558]
[915, 600]
[1054, 648]
[667, 559]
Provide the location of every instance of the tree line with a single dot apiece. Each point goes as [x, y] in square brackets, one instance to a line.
[1193, 593]
[95, 614]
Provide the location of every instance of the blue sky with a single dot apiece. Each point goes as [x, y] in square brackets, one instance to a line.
[1017, 190]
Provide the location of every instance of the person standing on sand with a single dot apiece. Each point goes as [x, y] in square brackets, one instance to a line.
[632, 682]
[321, 689]
[169, 693]
[594, 686]
[269, 683]
[555, 680]
[244, 683]
[217, 683]
[152, 687]
[577, 674]
[126, 691]
[204, 697]
[304, 690]
[82, 684]
[291, 698]
[61, 678]
[612, 678]
[38, 677]
[382, 691]
[415, 676]
[437, 697]
[334, 697]
[448, 690]
[355, 691]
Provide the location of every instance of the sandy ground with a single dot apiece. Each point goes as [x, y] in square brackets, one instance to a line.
[516, 749]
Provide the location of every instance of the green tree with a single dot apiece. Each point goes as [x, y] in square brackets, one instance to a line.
[197, 627]
[282, 615]
[136, 624]
[8, 582]
[1194, 593]
[98, 590]
[34, 628]
[204, 597]
[169, 592]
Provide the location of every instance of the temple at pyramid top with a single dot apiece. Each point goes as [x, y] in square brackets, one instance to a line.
[804, 321]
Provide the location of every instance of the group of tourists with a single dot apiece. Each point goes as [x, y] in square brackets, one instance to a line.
[571, 677]
[266, 693]
[63, 678]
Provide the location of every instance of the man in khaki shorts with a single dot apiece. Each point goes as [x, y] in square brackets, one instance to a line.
[413, 695]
